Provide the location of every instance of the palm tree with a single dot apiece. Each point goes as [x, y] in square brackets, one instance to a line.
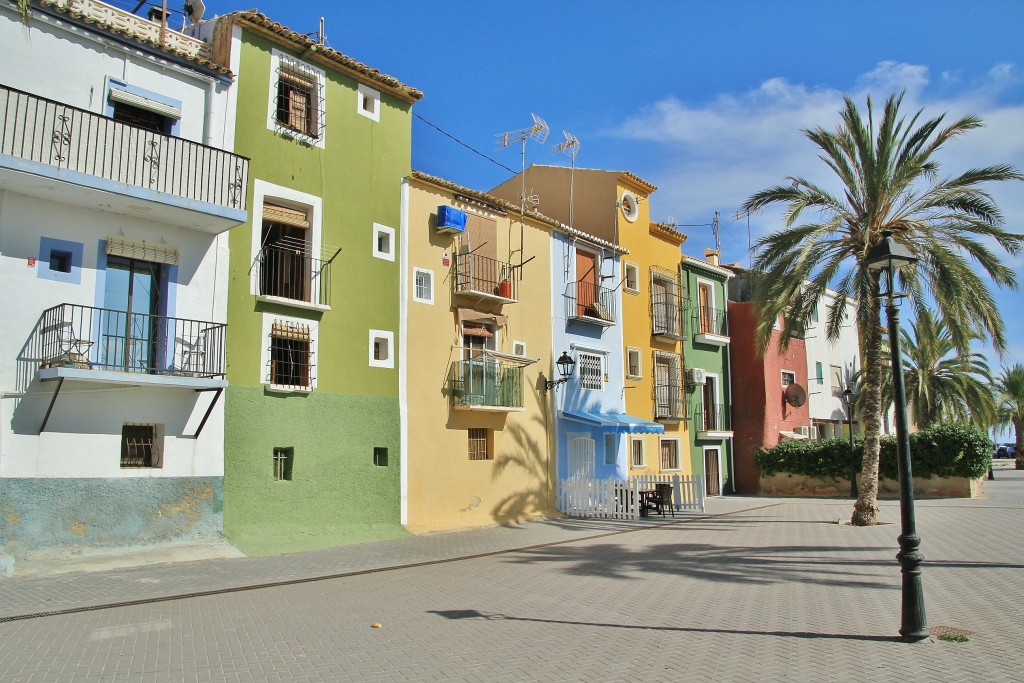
[1011, 406]
[889, 181]
[942, 385]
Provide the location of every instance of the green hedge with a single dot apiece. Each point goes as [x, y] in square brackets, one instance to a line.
[946, 450]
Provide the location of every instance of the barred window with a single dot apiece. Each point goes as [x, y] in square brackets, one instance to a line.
[291, 355]
[297, 97]
[668, 388]
[479, 446]
[140, 446]
[591, 375]
[283, 459]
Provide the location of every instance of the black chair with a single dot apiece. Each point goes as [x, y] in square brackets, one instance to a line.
[663, 499]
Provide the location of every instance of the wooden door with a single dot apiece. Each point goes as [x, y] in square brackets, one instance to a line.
[586, 281]
[704, 305]
[712, 479]
[710, 413]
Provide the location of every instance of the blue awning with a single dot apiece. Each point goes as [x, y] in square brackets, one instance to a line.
[620, 423]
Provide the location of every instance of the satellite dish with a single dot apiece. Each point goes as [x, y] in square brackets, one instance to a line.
[796, 395]
[194, 10]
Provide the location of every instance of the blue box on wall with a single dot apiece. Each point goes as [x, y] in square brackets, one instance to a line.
[450, 219]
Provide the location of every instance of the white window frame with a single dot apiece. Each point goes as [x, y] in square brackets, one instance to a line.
[679, 453]
[837, 389]
[518, 348]
[642, 465]
[782, 376]
[631, 350]
[429, 299]
[268, 192]
[570, 439]
[601, 369]
[276, 59]
[362, 93]
[268, 323]
[389, 337]
[379, 230]
[626, 267]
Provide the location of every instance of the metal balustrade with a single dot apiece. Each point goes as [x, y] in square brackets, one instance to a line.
[476, 274]
[291, 273]
[712, 417]
[585, 300]
[707, 320]
[667, 318]
[41, 130]
[485, 382]
[92, 338]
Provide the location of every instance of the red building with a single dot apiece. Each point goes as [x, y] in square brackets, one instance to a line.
[769, 394]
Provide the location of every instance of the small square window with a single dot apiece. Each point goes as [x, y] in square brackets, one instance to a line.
[140, 446]
[519, 348]
[591, 372]
[368, 102]
[632, 277]
[423, 285]
[60, 261]
[381, 351]
[383, 242]
[788, 378]
[633, 364]
[380, 456]
[479, 444]
[284, 457]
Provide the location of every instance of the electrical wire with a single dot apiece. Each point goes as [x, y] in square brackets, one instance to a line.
[471, 149]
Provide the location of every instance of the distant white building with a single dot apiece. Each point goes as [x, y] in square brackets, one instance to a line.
[115, 194]
[831, 369]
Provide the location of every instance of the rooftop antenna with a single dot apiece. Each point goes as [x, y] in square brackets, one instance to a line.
[571, 146]
[718, 238]
[538, 132]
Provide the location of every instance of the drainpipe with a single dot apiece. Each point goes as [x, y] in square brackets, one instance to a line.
[728, 370]
[208, 122]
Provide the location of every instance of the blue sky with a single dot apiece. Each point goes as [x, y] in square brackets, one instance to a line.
[703, 99]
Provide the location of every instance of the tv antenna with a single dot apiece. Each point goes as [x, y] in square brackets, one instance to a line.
[571, 146]
[538, 132]
[194, 10]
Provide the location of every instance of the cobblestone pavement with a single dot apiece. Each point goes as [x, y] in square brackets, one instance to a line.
[757, 589]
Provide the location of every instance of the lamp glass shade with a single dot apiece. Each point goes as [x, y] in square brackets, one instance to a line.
[888, 255]
[848, 395]
[565, 365]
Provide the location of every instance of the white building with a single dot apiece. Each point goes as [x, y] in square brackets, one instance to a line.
[831, 369]
[115, 195]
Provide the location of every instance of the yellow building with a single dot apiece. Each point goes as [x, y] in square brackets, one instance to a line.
[615, 206]
[476, 332]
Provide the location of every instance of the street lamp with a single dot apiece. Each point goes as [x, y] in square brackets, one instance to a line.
[889, 256]
[565, 365]
[848, 396]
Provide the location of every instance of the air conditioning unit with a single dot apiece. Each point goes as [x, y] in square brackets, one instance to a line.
[450, 219]
[696, 375]
[803, 431]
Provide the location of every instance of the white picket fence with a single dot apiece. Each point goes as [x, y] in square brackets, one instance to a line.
[620, 499]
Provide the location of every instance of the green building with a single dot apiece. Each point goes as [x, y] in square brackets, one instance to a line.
[312, 411]
[708, 376]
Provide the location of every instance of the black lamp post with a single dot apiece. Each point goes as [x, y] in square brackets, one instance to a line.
[565, 365]
[848, 400]
[889, 256]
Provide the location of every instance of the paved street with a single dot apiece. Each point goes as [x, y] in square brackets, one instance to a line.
[756, 589]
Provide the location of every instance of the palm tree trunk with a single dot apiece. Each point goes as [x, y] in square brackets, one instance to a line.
[865, 510]
[1018, 438]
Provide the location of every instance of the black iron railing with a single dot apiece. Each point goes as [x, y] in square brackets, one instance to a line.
[585, 300]
[485, 382]
[92, 338]
[37, 129]
[712, 417]
[667, 318]
[707, 320]
[291, 273]
[475, 274]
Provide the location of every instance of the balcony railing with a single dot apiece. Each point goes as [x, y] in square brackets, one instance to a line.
[668, 402]
[587, 301]
[485, 277]
[91, 338]
[667, 318]
[707, 320]
[484, 383]
[290, 273]
[711, 417]
[41, 130]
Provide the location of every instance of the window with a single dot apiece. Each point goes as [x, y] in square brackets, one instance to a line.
[836, 373]
[368, 102]
[283, 459]
[423, 285]
[788, 378]
[285, 266]
[670, 454]
[814, 313]
[636, 454]
[664, 306]
[291, 356]
[818, 373]
[380, 456]
[611, 448]
[142, 118]
[60, 261]
[480, 444]
[519, 348]
[591, 374]
[381, 343]
[667, 385]
[632, 283]
[634, 369]
[707, 316]
[297, 98]
[140, 446]
[383, 242]
[581, 457]
[142, 108]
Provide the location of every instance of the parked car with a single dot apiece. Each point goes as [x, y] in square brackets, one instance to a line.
[1007, 450]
